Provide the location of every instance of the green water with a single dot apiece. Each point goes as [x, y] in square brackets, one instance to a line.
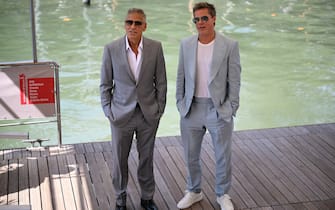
[287, 54]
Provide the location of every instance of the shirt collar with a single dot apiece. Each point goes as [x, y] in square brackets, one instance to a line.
[140, 46]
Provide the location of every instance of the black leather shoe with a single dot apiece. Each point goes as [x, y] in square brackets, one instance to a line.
[148, 204]
[117, 207]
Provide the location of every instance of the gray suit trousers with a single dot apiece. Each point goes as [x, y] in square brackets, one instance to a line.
[122, 138]
[201, 117]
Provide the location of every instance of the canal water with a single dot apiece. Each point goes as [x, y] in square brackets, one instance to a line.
[287, 52]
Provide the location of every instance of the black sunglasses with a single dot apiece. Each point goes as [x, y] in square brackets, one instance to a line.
[197, 19]
[131, 22]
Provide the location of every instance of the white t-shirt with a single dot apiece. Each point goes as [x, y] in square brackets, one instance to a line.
[204, 60]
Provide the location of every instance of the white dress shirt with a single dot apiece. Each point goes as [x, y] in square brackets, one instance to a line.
[135, 62]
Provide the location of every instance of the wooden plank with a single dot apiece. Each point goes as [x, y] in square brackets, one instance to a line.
[170, 141]
[257, 190]
[97, 147]
[78, 193]
[288, 178]
[316, 163]
[240, 135]
[298, 130]
[270, 193]
[86, 184]
[4, 182]
[106, 177]
[55, 183]
[35, 193]
[306, 167]
[35, 152]
[308, 186]
[94, 170]
[88, 147]
[177, 167]
[174, 193]
[15, 207]
[25, 153]
[251, 186]
[314, 128]
[13, 188]
[7, 155]
[276, 132]
[326, 153]
[306, 194]
[54, 150]
[45, 151]
[327, 137]
[66, 183]
[275, 179]
[66, 149]
[17, 153]
[310, 206]
[320, 205]
[44, 180]
[23, 182]
[162, 164]
[80, 149]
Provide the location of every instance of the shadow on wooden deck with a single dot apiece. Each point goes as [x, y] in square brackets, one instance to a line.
[279, 168]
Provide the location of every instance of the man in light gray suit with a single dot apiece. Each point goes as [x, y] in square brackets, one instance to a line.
[207, 93]
[133, 97]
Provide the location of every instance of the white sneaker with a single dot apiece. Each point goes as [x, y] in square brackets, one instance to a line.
[189, 199]
[225, 202]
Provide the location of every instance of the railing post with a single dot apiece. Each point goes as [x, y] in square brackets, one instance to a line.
[59, 122]
[33, 31]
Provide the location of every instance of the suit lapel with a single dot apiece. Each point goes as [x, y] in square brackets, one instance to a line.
[145, 53]
[219, 52]
[125, 57]
[191, 53]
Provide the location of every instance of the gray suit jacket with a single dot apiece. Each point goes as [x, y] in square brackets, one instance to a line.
[120, 92]
[224, 78]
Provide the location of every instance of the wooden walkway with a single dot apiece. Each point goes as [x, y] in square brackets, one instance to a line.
[279, 168]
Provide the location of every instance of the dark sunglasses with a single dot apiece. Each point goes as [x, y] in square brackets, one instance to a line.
[197, 19]
[131, 22]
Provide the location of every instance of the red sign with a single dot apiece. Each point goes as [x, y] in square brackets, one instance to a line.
[37, 90]
[27, 91]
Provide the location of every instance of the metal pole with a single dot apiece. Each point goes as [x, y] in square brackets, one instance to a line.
[33, 31]
[59, 124]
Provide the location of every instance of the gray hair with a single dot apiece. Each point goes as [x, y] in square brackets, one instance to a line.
[137, 10]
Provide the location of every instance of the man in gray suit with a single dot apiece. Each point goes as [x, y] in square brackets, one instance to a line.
[208, 86]
[133, 97]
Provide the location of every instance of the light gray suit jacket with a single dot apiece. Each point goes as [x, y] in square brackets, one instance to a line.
[224, 78]
[119, 90]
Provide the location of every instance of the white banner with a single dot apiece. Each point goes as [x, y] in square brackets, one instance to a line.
[27, 91]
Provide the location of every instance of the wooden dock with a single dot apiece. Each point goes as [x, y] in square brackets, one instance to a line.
[278, 168]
